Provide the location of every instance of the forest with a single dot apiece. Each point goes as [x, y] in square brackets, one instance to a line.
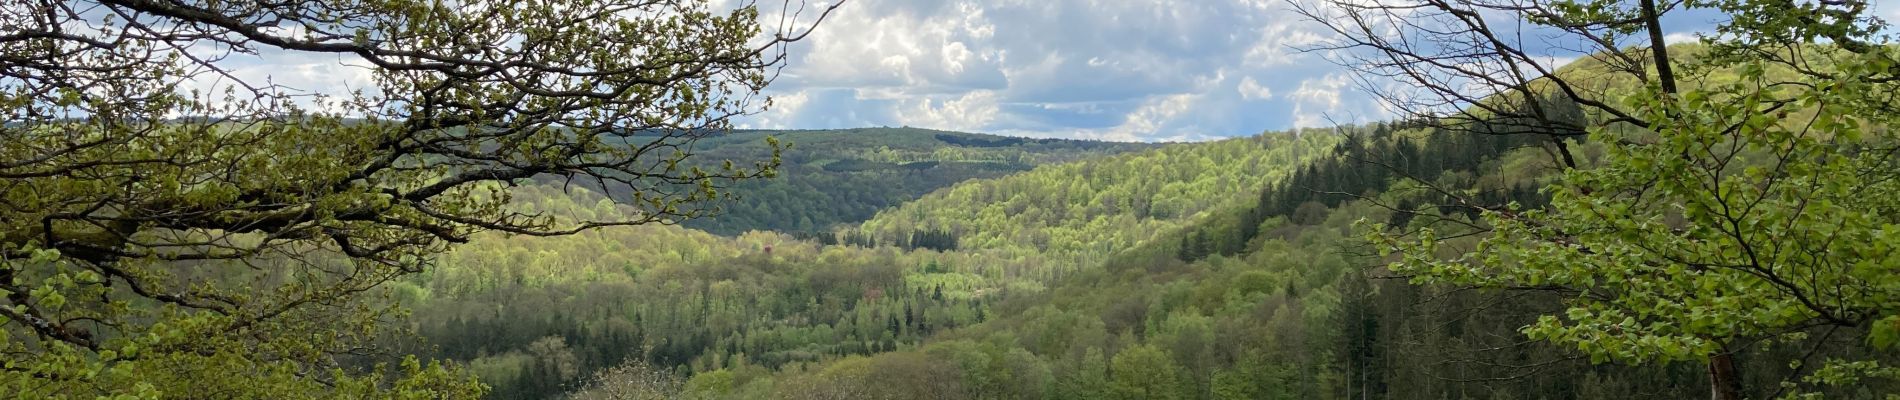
[556, 200]
[833, 178]
[1059, 288]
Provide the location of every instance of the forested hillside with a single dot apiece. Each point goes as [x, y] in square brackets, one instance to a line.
[533, 317]
[1091, 210]
[1227, 265]
[841, 177]
[1300, 308]
[1256, 299]
[547, 199]
[1225, 270]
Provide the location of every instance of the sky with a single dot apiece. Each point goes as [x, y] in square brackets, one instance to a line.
[1123, 70]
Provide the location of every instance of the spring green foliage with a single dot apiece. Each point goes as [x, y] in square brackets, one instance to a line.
[1761, 207]
[533, 316]
[1262, 322]
[1145, 372]
[170, 230]
[830, 178]
[1289, 314]
[1740, 196]
[1755, 219]
[536, 316]
[1090, 210]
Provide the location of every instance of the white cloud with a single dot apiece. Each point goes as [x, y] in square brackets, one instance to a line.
[1127, 70]
[971, 111]
[1110, 69]
[1281, 44]
[782, 111]
[305, 77]
[1551, 63]
[927, 49]
[1680, 37]
[1251, 89]
[1317, 101]
[1148, 120]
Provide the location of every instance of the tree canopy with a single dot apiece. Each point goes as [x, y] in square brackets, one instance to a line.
[1744, 191]
[170, 222]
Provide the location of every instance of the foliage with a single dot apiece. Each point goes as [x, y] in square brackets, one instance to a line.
[699, 303]
[1144, 372]
[835, 178]
[630, 381]
[1741, 194]
[1725, 227]
[1290, 315]
[1272, 304]
[172, 230]
[1741, 221]
[1090, 210]
[679, 300]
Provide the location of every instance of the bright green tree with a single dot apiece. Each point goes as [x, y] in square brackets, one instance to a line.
[1732, 225]
[1145, 372]
[170, 228]
[1086, 379]
[1748, 188]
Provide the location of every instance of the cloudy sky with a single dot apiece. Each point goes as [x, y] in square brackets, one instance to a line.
[1130, 70]
[1099, 69]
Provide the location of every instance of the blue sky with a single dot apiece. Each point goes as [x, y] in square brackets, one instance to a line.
[1099, 69]
[1131, 70]
[1128, 70]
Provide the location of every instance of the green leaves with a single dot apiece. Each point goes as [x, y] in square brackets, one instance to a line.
[1884, 333]
[1749, 210]
[245, 227]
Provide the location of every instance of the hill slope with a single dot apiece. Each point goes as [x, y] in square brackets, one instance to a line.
[533, 316]
[842, 177]
[1097, 207]
[1225, 270]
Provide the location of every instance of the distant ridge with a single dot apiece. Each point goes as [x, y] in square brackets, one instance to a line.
[835, 177]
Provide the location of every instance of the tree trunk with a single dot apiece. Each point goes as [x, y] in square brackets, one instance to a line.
[1724, 383]
[1658, 47]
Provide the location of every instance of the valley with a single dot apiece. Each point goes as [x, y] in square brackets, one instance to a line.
[1230, 267]
[1123, 200]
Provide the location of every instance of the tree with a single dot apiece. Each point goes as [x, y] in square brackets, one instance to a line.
[1733, 228]
[1145, 372]
[161, 210]
[1753, 204]
[633, 380]
[1086, 379]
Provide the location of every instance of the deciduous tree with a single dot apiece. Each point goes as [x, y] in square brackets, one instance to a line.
[1746, 191]
[169, 221]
